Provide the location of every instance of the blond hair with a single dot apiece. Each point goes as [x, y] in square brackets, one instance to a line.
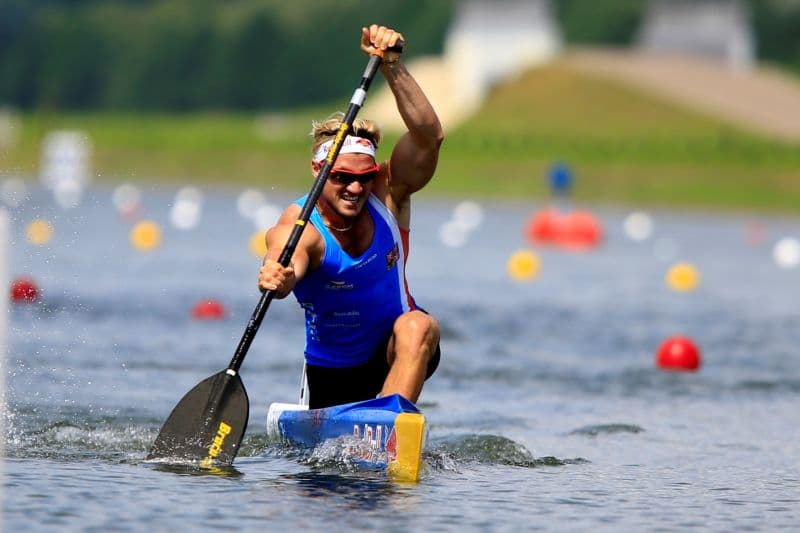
[322, 131]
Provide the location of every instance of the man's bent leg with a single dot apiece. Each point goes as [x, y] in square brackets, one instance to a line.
[415, 337]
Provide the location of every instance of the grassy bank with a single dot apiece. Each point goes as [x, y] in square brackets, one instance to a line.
[624, 147]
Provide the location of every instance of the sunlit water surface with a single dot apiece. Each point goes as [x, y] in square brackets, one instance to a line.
[547, 411]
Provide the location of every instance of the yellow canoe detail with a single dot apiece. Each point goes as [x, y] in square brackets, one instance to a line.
[410, 431]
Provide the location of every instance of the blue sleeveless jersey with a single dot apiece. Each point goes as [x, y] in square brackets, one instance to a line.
[351, 303]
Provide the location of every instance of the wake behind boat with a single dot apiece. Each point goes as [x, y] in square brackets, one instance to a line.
[391, 426]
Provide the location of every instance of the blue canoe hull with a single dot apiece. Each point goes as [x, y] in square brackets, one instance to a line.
[391, 425]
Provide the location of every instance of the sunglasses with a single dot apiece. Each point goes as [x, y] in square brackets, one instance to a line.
[342, 177]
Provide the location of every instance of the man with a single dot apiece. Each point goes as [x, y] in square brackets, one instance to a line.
[365, 335]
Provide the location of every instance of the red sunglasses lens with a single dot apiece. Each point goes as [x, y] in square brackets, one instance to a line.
[346, 178]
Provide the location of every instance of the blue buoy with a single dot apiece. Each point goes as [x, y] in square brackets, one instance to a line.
[560, 178]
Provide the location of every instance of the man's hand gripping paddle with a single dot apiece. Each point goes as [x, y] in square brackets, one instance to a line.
[208, 424]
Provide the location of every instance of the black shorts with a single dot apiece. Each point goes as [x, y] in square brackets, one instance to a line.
[334, 386]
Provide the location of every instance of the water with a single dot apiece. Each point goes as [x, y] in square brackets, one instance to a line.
[547, 411]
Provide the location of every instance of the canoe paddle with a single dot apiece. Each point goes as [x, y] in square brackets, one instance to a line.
[209, 422]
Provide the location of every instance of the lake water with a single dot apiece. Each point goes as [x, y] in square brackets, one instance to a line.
[547, 412]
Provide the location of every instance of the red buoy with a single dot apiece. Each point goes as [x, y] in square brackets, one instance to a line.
[544, 226]
[678, 353]
[208, 310]
[582, 231]
[576, 230]
[24, 290]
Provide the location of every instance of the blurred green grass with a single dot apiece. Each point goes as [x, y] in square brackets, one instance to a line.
[623, 145]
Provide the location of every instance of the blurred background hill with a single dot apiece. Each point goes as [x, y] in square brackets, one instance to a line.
[663, 101]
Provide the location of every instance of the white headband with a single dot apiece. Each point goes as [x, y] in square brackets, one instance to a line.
[351, 145]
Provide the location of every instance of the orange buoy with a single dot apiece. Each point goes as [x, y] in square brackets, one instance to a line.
[208, 310]
[24, 290]
[145, 236]
[258, 244]
[678, 353]
[39, 232]
[682, 277]
[523, 265]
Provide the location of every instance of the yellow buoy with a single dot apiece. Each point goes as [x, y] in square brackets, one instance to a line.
[39, 232]
[683, 277]
[145, 236]
[258, 246]
[523, 265]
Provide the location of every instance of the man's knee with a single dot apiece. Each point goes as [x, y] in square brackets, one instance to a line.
[418, 327]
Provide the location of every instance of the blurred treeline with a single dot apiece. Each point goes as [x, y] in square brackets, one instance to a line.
[181, 55]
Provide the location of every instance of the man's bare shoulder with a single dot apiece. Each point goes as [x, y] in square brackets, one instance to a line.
[287, 222]
[310, 244]
[289, 215]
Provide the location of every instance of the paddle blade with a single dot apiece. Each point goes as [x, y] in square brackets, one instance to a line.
[208, 423]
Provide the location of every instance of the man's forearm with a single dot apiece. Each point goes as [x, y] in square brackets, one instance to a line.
[414, 107]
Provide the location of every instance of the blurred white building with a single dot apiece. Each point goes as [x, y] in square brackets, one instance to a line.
[488, 42]
[713, 29]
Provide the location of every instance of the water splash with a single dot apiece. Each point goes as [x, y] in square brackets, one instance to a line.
[67, 435]
[347, 454]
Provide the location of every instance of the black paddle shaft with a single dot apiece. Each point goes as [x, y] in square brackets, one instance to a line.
[294, 238]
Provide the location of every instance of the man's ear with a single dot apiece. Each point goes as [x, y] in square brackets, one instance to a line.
[315, 166]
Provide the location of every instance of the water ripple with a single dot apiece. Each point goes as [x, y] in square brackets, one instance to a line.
[605, 429]
[490, 449]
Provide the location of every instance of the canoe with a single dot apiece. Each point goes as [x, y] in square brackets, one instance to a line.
[391, 425]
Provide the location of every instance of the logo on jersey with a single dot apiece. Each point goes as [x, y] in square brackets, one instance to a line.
[392, 257]
[334, 285]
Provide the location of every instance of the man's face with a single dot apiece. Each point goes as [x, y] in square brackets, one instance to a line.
[349, 184]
